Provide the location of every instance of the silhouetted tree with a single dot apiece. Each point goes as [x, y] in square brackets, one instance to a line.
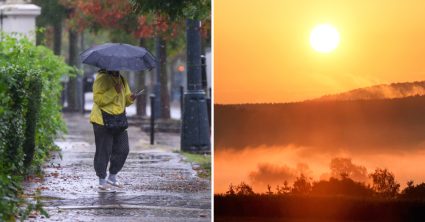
[244, 189]
[409, 183]
[414, 192]
[285, 189]
[269, 190]
[301, 185]
[231, 190]
[384, 183]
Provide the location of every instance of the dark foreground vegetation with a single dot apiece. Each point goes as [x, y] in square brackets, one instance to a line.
[341, 199]
[318, 208]
[30, 118]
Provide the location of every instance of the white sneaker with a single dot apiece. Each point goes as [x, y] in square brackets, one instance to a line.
[105, 188]
[115, 183]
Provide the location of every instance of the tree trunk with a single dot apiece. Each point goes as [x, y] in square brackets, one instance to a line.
[72, 96]
[141, 84]
[165, 95]
[57, 38]
[83, 78]
[82, 42]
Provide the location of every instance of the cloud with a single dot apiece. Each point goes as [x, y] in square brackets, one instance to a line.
[274, 174]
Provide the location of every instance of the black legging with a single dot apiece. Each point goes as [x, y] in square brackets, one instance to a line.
[109, 147]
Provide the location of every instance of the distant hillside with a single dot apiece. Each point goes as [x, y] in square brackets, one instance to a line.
[385, 91]
[327, 123]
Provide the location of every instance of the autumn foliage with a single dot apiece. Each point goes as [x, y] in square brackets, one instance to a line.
[120, 15]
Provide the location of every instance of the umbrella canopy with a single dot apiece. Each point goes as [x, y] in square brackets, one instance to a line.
[118, 56]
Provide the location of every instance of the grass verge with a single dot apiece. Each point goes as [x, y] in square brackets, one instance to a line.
[201, 160]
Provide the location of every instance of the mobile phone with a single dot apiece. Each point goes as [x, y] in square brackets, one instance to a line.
[139, 93]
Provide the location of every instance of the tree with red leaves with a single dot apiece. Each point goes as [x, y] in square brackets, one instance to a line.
[195, 127]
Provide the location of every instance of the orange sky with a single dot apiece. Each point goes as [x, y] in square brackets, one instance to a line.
[262, 51]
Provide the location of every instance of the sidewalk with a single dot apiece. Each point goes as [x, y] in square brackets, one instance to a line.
[159, 184]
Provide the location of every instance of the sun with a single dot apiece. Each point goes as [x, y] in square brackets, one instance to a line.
[324, 38]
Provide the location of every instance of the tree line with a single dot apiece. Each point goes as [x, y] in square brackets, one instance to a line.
[338, 198]
[363, 124]
[383, 186]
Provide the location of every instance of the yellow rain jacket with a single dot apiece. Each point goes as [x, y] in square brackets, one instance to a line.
[106, 97]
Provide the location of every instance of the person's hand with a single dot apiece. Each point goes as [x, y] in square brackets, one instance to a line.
[118, 87]
[132, 97]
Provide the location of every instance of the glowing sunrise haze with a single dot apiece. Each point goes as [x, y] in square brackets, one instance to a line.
[263, 51]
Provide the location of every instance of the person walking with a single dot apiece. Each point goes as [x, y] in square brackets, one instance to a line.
[111, 95]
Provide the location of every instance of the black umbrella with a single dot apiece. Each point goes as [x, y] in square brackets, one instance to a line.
[118, 56]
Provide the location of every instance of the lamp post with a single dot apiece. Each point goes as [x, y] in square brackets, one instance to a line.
[195, 135]
[159, 44]
[204, 73]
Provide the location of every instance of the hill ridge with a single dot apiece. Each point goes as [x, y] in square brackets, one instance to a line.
[381, 91]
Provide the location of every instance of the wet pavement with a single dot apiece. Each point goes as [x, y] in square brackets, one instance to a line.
[159, 184]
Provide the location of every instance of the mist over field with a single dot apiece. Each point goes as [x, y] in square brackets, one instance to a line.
[273, 165]
[382, 126]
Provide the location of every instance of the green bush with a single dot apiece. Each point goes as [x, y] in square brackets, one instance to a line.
[24, 54]
[13, 134]
[30, 117]
[11, 153]
[35, 86]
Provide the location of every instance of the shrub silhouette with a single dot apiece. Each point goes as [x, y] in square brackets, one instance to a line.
[269, 190]
[285, 189]
[384, 183]
[413, 192]
[341, 187]
[231, 191]
[301, 185]
[334, 199]
[242, 189]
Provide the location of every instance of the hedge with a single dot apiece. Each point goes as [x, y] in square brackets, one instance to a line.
[30, 116]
